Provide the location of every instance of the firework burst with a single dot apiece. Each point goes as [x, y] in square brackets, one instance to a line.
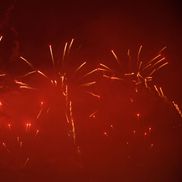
[125, 123]
[58, 86]
[132, 99]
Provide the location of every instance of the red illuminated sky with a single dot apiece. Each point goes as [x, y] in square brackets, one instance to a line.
[98, 27]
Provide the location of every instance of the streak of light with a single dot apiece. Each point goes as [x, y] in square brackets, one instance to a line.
[95, 95]
[26, 87]
[162, 59]
[153, 59]
[20, 83]
[138, 57]
[157, 90]
[145, 82]
[52, 56]
[80, 66]
[67, 119]
[129, 55]
[129, 74]
[2, 75]
[140, 65]
[102, 69]
[91, 72]
[104, 66]
[165, 47]
[27, 62]
[177, 108]
[88, 84]
[29, 73]
[64, 51]
[115, 56]
[112, 77]
[72, 122]
[70, 45]
[156, 69]
[39, 113]
[161, 91]
[43, 74]
[162, 66]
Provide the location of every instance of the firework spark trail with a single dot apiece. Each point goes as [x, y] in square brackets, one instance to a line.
[156, 63]
[27, 62]
[161, 91]
[2, 75]
[138, 56]
[39, 113]
[20, 83]
[29, 73]
[106, 67]
[177, 108]
[91, 72]
[26, 87]
[80, 67]
[43, 74]
[70, 45]
[115, 56]
[88, 84]
[157, 90]
[72, 122]
[112, 77]
[129, 59]
[93, 94]
[52, 56]
[64, 51]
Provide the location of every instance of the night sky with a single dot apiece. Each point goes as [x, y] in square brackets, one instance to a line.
[29, 27]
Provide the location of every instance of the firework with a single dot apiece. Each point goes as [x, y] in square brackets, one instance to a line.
[58, 83]
[129, 111]
[120, 126]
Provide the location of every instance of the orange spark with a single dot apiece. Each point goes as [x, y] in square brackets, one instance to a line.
[52, 56]
[115, 56]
